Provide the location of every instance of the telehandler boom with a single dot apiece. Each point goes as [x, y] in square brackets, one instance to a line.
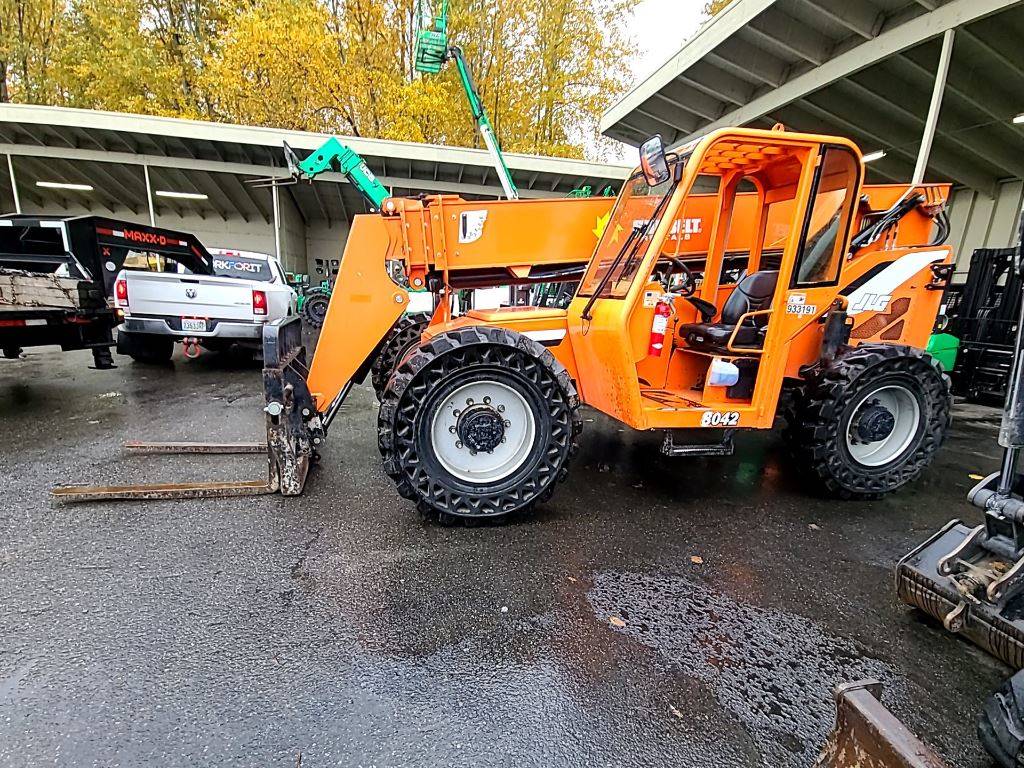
[742, 271]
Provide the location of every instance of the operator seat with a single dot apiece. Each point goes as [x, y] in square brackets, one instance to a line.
[754, 292]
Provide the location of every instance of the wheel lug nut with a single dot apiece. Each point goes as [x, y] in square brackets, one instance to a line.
[487, 401]
[469, 401]
[501, 409]
[452, 429]
[472, 452]
[508, 423]
[503, 439]
[458, 444]
[456, 413]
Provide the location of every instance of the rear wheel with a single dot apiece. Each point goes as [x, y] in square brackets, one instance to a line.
[478, 423]
[871, 421]
[314, 307]
[403, 336]
[12, 353]
[145, 348]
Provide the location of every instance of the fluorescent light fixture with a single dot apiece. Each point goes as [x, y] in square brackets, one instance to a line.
[872, 156]
[1019, 119]
[180, 195]
[62, 185]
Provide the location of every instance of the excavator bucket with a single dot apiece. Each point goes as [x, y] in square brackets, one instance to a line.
[923, 582]
[294, 431]
[867, 735]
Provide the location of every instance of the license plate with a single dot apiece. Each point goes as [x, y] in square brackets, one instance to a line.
[193, 324]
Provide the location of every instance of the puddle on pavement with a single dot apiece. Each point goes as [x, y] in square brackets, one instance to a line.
[771, 670]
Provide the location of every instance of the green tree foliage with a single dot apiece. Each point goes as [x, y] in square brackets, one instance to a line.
[545, 69]
[714, 7]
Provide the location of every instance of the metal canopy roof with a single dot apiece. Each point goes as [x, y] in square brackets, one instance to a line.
[109, 151]
[858, 68]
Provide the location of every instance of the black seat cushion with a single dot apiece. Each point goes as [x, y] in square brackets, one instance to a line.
[753, 293]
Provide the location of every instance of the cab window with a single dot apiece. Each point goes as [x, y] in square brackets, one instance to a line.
[835, 186]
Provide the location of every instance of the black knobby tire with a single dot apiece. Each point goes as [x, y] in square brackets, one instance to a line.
[434, 371]
[405, 334]
[999, 723]
[821, 420]
[145, 348]
[314, 307]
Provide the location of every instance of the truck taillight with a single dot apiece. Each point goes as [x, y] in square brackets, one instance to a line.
[121, 292]
[259, 303]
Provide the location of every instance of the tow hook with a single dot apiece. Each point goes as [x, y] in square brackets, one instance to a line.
[191, 347]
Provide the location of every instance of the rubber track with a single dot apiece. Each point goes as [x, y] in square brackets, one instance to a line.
[430, 364]
[813, 422]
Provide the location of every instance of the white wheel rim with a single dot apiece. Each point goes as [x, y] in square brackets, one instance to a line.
[906, 411]
[481, 467]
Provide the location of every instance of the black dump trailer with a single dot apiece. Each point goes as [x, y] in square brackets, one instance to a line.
[57, 278]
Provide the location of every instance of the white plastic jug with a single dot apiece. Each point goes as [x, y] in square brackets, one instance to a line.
[722, 373]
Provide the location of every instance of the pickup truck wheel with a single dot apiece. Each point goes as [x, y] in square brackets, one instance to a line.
[314, 307]
[478, 423]
[405, 334]
[145, 348]
[12, 353]
[872, 421]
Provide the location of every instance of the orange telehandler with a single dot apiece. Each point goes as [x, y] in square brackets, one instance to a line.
[746, 274]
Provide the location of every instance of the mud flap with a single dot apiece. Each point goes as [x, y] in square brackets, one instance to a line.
[867, 735]
[294, 427]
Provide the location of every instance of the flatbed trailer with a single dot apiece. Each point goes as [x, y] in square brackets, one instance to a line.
[57, 278]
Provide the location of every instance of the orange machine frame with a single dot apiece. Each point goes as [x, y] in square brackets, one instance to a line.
[428, 244]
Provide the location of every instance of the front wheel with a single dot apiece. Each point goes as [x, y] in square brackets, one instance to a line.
[479, 422]
[871, 421]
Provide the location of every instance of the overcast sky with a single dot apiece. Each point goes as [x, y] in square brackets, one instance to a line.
[658, 29]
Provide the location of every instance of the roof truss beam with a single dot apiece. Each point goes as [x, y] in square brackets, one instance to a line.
[793, 36]
[862, 18]
[952, 14]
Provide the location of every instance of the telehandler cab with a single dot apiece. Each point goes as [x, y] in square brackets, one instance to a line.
[747, 269]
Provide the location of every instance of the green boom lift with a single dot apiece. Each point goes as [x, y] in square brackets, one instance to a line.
[432, 52]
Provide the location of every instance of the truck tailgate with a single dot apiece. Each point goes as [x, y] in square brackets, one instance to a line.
[172, 295]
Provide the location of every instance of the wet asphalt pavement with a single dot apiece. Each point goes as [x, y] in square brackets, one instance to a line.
[655, 612]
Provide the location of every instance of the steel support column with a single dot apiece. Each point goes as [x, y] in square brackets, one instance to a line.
[149, 196]
[277, 220]
[14, 185]
[931, 124]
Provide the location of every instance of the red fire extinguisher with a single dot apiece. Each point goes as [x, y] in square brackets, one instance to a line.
[662, 312]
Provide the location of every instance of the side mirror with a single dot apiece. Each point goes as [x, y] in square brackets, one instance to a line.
[653, 162]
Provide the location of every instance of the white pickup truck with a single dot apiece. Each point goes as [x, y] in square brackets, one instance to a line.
[210, 311]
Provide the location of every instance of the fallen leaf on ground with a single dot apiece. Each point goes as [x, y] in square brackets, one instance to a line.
[814, 527]
[697, 560]
[572, 579]
[975, 476]
[105, 395]
[615, 621]
[676, 712]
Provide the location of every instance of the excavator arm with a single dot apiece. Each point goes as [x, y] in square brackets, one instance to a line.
[333, 155]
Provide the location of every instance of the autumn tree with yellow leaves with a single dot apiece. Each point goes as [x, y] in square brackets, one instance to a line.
[545, 69]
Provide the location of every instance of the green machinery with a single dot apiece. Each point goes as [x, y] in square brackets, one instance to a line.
[432, 52]
[331, 156]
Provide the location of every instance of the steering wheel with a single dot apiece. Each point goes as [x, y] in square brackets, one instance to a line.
[687, 286]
